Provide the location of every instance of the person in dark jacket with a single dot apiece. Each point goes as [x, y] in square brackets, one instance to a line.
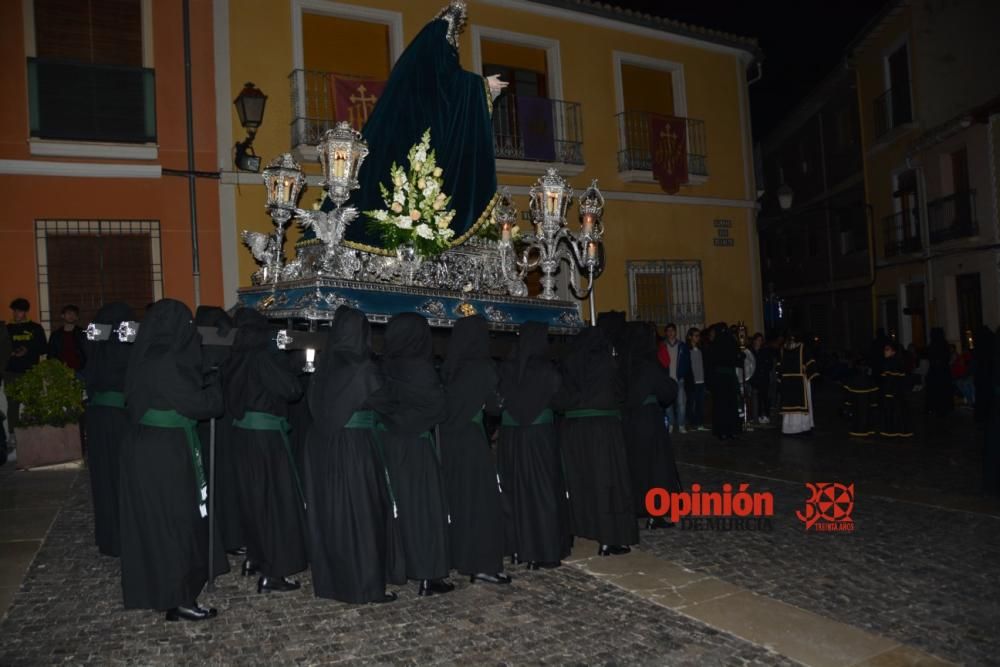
[28, 344]
[592, 443]
[531, 388]
[164, 529]
[352, 513]
[470, 473]
[940, 388]
[418, 405]
[67, 342]
[107, 423]
[724, 357]
[258, 383]
[648, 390]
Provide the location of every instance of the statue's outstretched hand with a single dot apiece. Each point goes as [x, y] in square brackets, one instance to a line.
[496, 85]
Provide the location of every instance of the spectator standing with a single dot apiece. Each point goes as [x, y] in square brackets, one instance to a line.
[67, 342]
[680, 367]
[27, 340]
[695, 381]
[760, 381]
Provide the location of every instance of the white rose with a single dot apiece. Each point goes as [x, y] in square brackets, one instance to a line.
[437, 172]
[424, 231]
[414, 215]
[441, 222]
[397, 207]
[404, 222]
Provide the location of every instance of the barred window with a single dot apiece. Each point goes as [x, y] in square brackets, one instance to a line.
[89, 263]
[663, 291]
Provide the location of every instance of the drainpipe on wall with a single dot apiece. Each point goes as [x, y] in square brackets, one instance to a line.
[925, 236]
[192, 191]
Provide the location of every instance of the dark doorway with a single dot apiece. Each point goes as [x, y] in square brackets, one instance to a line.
[970, 305]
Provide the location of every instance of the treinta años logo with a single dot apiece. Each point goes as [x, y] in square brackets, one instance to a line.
[714, 510]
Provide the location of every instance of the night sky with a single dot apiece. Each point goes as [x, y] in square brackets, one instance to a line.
[802, 41]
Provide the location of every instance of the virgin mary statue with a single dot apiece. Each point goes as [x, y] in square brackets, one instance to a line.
[429, 89]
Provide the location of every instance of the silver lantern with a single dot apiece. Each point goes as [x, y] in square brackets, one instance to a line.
[341, 152]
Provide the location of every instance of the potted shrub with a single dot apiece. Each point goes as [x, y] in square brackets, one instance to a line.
[51, 406]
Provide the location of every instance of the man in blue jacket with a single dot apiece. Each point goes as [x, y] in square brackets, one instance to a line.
[680, 367]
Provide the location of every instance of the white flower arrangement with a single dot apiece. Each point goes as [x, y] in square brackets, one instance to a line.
[416, 209]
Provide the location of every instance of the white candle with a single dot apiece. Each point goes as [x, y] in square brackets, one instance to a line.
[592, 250]
[505, 233]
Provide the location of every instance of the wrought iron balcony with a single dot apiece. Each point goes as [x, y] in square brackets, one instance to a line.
[525, 128]
[84, 102]
[892, 109]
[537, 129]
[952, 217]
[902, 233]
[635, 154]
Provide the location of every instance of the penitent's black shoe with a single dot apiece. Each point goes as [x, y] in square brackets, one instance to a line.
[498, 578]
[192, 613]
[249, 568]
[434, 587]
[277, 584]
[386, 597]
[240, 551]
[536, 565]
[613, 550]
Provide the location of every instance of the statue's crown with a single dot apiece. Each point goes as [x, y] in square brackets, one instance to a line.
[457, 15]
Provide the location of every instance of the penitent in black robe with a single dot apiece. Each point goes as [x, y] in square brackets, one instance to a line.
[164, 533]
[724, 357]
[257, 378]
[406, 431]
[470, 473]
[648, 390]
[106, 424]
[528, 451]
[592, 442]
[228, 516]
[895, 387]
[861, 399]
[349, 503]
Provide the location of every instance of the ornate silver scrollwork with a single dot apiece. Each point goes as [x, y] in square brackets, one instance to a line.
[433, 308]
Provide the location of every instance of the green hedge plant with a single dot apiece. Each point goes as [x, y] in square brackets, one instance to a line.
[50, 395]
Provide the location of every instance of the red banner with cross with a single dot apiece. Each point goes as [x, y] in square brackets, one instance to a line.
[354, 98]
[668, 151]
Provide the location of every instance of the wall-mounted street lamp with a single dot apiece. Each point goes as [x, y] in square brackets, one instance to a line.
[785, 194]
[250, 107]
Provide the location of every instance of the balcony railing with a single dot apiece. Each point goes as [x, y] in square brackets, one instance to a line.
[633, 137]
[523, 128]
[902, 233]
[952, 217]
[84, 102]
[892, 109]
[536, 128]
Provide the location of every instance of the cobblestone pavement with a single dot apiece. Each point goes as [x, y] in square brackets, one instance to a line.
[940, 465]
[925, 576]
[69, 611]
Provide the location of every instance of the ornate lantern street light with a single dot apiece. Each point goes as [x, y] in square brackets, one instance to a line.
[283, 182]
[553, 243]
[250, 108]
[341, 152]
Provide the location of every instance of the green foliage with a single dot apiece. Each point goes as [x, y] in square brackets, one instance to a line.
[50, 395]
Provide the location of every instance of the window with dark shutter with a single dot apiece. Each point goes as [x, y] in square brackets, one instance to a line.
[86, 80]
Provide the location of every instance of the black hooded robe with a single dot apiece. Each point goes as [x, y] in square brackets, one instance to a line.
[164, 529]
[107, 423]
[345, 480]
[228, 515]
[648, 390]
[418, 404]
[258, 384]
[592, 441]
[528, 451]
[895, 387]
[725, 357]
[470, 473]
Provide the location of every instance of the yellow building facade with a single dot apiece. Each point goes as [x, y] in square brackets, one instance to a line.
[689, 257]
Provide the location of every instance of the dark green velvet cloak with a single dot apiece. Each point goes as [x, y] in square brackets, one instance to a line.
[429, 89]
